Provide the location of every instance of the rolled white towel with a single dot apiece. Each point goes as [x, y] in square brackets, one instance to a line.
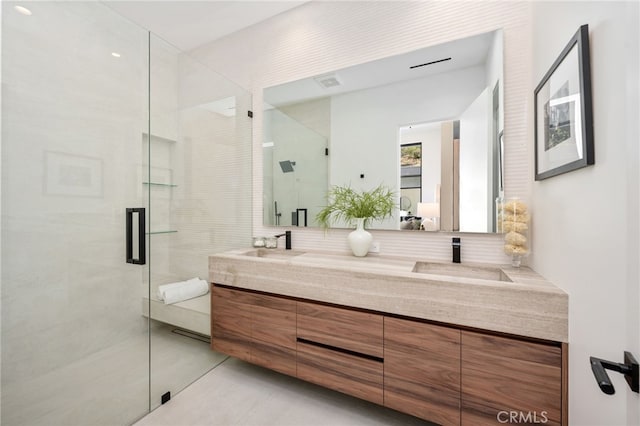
[164, 287]
[181, 291]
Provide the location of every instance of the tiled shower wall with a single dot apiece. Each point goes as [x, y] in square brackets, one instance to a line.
[318, 37]
[208, 155]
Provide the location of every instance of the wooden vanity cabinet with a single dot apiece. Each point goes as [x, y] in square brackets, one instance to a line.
[257, 328]
[503, 377]
[440, 373]
[422, 370]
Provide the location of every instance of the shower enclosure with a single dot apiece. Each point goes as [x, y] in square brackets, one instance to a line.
[105, 125]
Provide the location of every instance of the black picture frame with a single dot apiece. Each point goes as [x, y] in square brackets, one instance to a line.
[563, 115]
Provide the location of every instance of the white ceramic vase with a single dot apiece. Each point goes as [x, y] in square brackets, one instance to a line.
[360, 240]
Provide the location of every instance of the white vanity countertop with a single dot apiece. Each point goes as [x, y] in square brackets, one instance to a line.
[511, 300]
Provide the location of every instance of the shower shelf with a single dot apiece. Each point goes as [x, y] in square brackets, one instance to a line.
[156, 138]
[162, 232]
[170, 185]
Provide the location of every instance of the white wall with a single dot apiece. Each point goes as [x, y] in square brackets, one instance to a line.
[318, 37]
[364, 125]
[475, 164]
[585, 229]
[495, 72]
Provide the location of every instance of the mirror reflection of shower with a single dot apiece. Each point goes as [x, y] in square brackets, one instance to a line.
[287, 166]
[295, 166]
[277, 213]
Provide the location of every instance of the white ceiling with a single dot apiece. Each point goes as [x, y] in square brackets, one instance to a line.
[189, 24]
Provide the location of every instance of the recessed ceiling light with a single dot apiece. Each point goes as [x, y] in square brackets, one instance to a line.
[115, 54]
[23, 10]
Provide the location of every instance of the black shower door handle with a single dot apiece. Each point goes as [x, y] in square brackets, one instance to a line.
[142, 256]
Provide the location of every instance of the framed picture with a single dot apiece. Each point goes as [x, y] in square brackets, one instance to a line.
[563, 113]
[72, 175]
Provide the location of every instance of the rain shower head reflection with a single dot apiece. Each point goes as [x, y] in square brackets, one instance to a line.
[287, 166]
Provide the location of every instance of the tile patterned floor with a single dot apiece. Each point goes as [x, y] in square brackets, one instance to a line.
[236, 393]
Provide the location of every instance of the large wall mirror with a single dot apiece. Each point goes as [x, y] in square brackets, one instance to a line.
[427, 124]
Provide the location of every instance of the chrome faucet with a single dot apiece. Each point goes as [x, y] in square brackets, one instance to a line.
[287, 236]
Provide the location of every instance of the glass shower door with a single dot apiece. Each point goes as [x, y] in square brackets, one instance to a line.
[75, 347]
[200, 203]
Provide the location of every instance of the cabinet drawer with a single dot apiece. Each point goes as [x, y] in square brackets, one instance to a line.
[355, 331]
[273, 331]
[422, 370]
[231, 322]
[500, 375]
[347, 373]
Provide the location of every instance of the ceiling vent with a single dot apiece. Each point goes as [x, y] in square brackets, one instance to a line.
[328, 81]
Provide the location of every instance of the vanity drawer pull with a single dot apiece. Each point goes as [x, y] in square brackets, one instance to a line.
[341, 350]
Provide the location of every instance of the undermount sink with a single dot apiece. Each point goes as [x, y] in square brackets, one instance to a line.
[459, 270]
[273, 253]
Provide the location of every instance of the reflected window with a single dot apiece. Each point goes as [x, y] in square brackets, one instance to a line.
[410, 177]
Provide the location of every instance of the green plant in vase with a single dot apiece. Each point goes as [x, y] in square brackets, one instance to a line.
[359, 207]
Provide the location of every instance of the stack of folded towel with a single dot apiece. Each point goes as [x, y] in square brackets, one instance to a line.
[183, 290]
